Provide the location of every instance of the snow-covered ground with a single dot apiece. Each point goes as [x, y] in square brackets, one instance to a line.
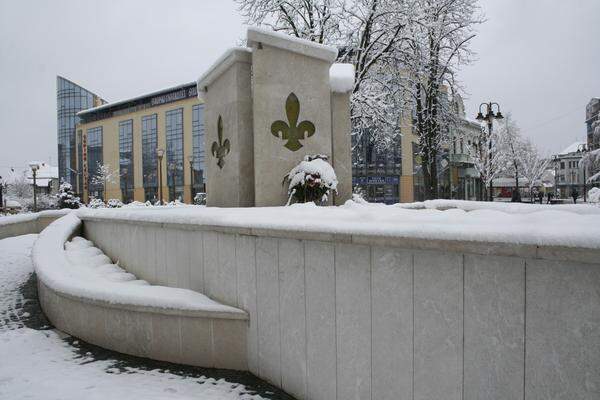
[43, 364]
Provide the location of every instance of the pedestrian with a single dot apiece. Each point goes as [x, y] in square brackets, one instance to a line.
[574, 195]
[540, 196]
[549, 194]
[516, 196]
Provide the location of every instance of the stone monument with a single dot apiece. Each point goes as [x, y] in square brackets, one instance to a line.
[268, 106]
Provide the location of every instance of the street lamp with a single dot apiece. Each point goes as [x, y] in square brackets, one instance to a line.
[191, 161]
[34, 169]
[125, 194]
[489, 118]
[583, 149]
[160, 153]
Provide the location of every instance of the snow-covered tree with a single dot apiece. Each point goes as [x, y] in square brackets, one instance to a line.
[439, 46]
[591, 162]
[104, 175]
[515, 148]
[312, 180]
[20, 187]
[533, 165]
[66, 197]
[488, 157]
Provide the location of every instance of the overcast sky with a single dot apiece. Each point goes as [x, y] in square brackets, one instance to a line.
[539, 59]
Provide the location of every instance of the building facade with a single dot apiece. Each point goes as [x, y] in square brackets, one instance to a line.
[592, 122]
[394, 174]
[118, 144]
[70, 99]
[567, 171]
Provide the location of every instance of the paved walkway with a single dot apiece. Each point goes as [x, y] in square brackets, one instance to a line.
[31, 346]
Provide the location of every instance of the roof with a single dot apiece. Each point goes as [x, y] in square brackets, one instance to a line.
[291, 43]
[108, 106]
[45, 172]
[572, 148]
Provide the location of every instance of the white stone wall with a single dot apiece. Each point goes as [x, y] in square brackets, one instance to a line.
[334, 319]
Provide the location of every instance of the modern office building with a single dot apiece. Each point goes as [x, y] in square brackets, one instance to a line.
[117, 146]
[70, 99]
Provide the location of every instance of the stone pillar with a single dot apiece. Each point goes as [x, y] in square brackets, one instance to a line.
[226, 90]
[341, 158]
[291, 108]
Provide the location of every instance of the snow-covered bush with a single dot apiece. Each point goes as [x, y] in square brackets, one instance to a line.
[200, 199]
[114, 203]
[66, 197]
[137, 204]
[96, 203]
[311, 181]
[594, 195]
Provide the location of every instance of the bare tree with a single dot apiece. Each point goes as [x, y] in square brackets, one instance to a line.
[104, 174]
[513, 145]
[533, 165]
[439, 45]
[488, 157]
[20, 187]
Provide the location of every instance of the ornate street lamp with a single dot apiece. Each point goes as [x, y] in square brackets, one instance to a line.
[160, 153]
[555, 160]
[34, 169]
[489, 117]
[191, 161]
[583, 149]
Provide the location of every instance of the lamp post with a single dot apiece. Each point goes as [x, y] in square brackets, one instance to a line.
[583, 149]
[34, 169]
[172, 167]
[125, 176]
[191, 161]
[160, 153]
[489, 117]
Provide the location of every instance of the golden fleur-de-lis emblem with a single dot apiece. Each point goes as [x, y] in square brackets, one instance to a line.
[220, 149]
[292, 132]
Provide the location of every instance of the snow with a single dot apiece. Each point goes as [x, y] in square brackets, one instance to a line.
[341, 77]
[560, 225]
[291, 43]
[594, 195]
[313, 168]
[572, 148]
[74, 269]
[26, 217]
[39, 364]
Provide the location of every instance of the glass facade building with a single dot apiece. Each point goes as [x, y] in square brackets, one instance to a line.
[149, 158]
[70, 99]
[198, 149]
[174, 135]
[95, 158]
[376, 172]
[126, 172]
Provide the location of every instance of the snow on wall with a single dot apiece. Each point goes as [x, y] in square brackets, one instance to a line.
[341, 77]
[78, 269]
[571, 226]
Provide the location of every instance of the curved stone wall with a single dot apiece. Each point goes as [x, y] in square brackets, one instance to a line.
[189, 336]
[24, 224]
[371, 317]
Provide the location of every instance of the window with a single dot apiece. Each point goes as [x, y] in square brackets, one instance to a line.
[562, 165]
[198, 148]
[174, 133]
[95, 158]
[149, 158]
[126, 172]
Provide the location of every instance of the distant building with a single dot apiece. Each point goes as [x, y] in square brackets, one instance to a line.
[70, 99]
[592, 122]
[47, 179]
[125, 136]
[394, 175]
[568, 173]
